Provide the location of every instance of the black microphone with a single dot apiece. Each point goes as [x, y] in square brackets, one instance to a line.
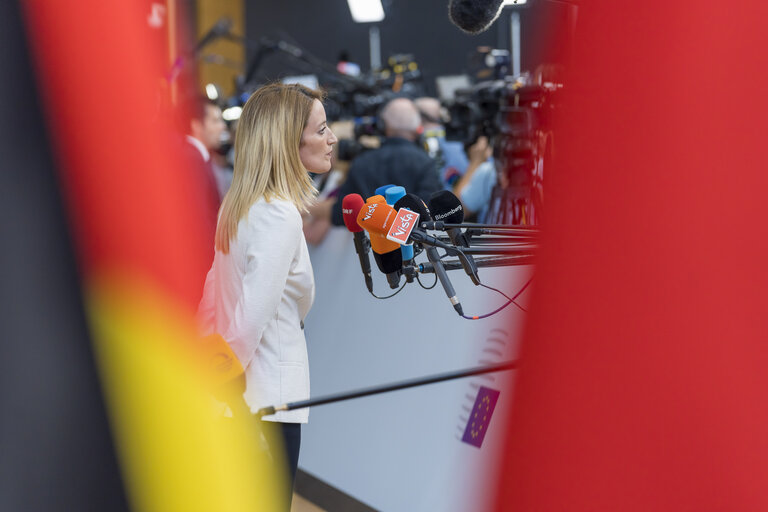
[447, 207]
[219, 29]
[416, 204]
[350, 207]
[391, 264]
[474, 16]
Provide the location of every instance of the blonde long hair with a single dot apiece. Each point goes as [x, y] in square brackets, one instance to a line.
[267, 161]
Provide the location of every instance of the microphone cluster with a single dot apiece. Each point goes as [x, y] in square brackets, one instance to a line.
[400, 226]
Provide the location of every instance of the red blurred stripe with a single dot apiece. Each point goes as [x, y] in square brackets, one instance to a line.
[642, 383]
[133, 207]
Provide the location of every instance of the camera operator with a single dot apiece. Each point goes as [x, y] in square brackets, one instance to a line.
[449, 155]
[475, 187]
[398, 161]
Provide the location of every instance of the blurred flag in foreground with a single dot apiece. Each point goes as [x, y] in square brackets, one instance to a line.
[135, 217]
[642, 382]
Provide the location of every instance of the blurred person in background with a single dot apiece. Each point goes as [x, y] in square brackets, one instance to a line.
[221, 160]
[345, 66]
[261, 285]
[399, 161]
[449, 155]
[475, 187]
[199, 127]
[203, 127]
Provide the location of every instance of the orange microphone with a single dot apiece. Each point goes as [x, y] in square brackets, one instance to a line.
[379, 242]
[377, 218]
[387, 254]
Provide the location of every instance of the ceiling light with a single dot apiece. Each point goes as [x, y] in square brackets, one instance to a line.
[232, 113]
[212, 92]
[366, 11]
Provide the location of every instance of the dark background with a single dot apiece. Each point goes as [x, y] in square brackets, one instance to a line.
[418, 27]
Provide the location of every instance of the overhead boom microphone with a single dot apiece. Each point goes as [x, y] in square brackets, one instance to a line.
[220, 29]
[474, 16]
[386, 388]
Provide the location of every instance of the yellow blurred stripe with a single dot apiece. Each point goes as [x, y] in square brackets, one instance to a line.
[176, 454]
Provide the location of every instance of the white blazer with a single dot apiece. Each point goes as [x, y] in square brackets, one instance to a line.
[256, 297]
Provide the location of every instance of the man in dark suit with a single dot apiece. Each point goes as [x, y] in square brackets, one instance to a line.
[202, 127]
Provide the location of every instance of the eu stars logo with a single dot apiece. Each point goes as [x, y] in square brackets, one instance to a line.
[480, 417]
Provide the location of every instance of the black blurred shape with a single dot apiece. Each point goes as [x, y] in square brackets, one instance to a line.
[56, 451]
[474, 16]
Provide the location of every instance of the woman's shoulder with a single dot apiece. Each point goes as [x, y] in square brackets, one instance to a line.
[274, 211]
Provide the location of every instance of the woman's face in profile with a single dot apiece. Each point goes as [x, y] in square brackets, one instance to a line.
[317, 141]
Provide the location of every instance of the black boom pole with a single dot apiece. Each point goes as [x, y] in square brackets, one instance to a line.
[386, 388]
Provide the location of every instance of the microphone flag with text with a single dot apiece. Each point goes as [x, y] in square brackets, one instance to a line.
[393, 194]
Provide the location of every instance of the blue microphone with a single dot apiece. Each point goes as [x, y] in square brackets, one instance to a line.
[392, 195]
[382, 190]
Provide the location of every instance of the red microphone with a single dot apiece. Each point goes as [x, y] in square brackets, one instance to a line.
[350, 207]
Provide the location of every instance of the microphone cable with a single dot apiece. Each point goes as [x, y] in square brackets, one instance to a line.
[390, 296]
[510, 301]
[426, 287]
[507, 297]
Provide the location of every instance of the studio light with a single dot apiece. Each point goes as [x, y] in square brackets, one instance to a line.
[232, 113]
[212, 92]
[366, 11]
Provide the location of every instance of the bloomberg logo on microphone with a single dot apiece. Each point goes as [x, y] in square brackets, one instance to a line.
[402, 226]
[441, 216]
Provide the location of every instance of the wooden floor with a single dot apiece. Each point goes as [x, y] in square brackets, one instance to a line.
[299, 504]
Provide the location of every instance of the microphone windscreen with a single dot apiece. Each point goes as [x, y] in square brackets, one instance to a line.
[446, 207]
[474, 16]
[393, 194]
[382, 189]
[389, 262]
[378, 198]
[415, 204]
[350, 207]
[376, 218]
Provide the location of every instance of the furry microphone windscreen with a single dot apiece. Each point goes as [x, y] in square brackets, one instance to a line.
[474, 16]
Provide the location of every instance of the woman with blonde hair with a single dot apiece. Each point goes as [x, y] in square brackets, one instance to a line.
[260, 286]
